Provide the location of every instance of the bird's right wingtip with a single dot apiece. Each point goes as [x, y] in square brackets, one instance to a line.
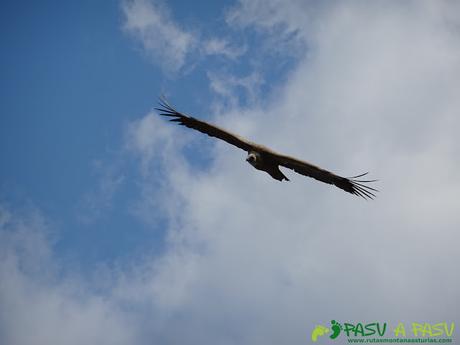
[359, 187]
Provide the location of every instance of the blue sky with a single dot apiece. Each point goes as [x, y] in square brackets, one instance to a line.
[72, 79]
[110, 215]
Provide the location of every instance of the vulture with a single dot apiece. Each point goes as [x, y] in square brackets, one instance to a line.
[265, 159]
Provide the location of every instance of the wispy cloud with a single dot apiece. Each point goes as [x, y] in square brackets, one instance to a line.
[42, 304]
[218, 46]
[162, 39]
[168, 43]
[227, 86]
[286, 28]
[159, 152]
[98, 201]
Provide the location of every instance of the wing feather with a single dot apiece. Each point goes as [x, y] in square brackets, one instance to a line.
[167, 110]
[349, 184]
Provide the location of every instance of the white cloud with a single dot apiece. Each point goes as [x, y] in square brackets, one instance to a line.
[287, 27]
[159, 150]
[218, 46]
[41, 307]
[162, 39]
[166, 41]
[227, 86]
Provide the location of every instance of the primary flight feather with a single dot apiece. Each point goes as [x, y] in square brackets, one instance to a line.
[262, 158]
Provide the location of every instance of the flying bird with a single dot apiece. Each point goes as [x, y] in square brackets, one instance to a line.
[265, 159]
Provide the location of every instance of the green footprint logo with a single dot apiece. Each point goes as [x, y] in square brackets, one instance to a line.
[336, 328]
[318, 331]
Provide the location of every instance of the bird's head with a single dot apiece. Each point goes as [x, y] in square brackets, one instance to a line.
[253, 158]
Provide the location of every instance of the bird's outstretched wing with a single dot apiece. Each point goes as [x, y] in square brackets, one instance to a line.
[351, 185]
[166, 109]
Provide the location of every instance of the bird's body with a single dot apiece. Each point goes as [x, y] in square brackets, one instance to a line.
[263, 162]
[265, 159]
